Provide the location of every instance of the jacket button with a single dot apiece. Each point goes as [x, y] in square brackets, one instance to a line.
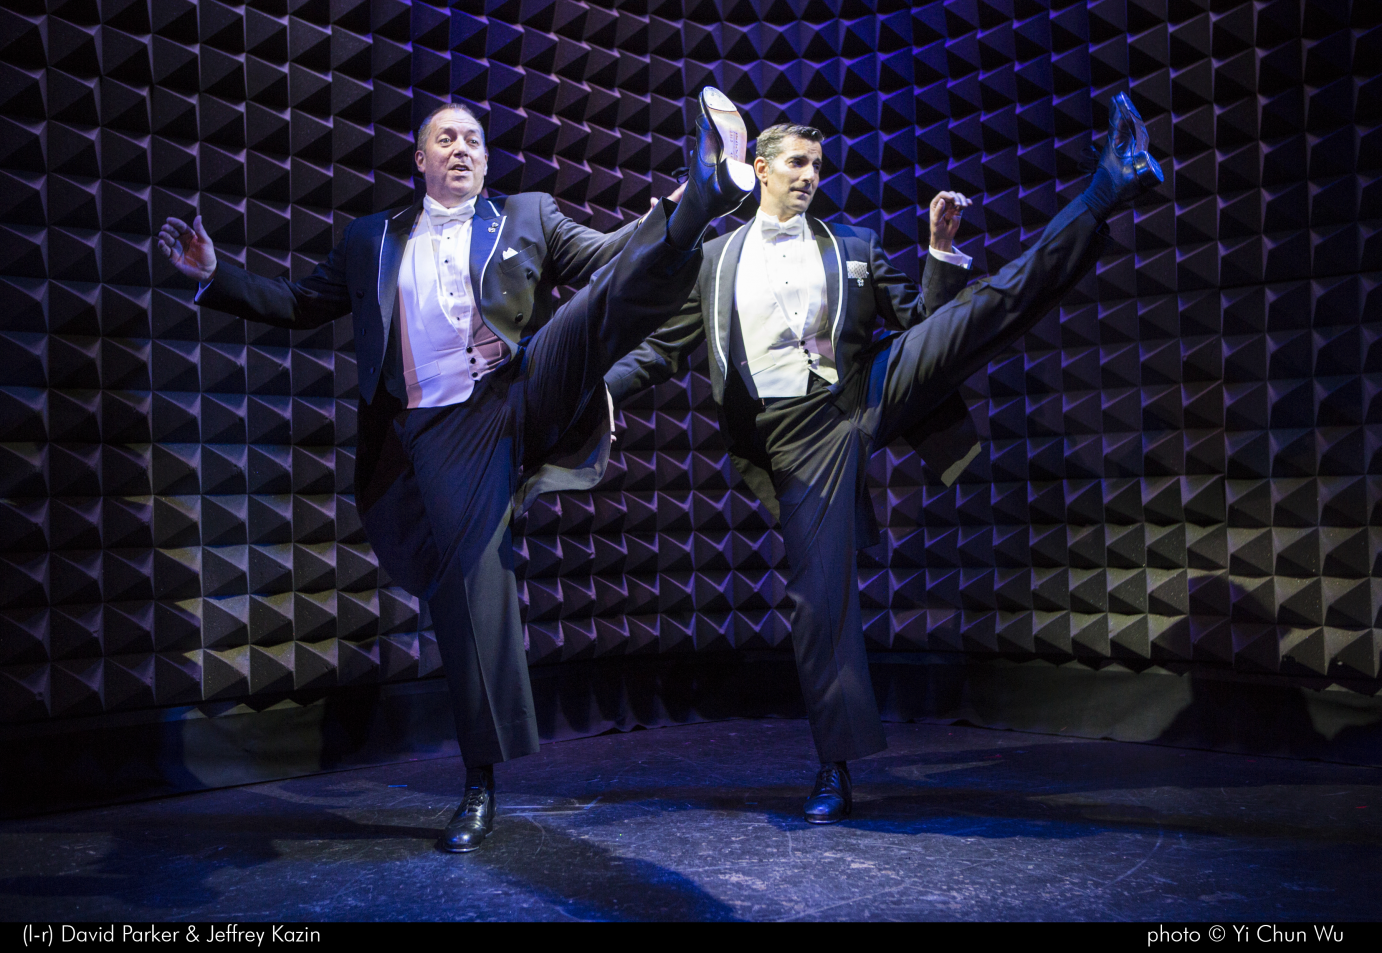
[519, 316]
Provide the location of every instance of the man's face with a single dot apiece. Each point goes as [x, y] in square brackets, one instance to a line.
[453, 158]
[790, 180]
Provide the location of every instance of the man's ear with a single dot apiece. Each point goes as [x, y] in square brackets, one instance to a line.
[418, 158]
[760, 166]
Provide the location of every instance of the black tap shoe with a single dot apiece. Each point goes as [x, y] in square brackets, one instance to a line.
[718, 180]
[1128, 135]
[1125, 168]
[833, 798]
[471, 823]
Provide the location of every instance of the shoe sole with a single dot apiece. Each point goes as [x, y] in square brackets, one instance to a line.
[1145, 168]
[734, 136]
[1122, 104]
[461, 850]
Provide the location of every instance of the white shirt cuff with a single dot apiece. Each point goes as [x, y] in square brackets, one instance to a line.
[953, 257]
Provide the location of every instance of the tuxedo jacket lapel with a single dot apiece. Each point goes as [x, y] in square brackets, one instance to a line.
[722, 292]
[836, 288]
[391, 245]
[486, 228]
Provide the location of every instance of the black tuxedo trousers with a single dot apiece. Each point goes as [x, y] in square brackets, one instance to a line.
[819, 446]
[468, 460]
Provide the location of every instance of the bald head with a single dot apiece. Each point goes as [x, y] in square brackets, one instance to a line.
[426, 127]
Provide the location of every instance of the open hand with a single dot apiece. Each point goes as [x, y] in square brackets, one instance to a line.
[189, 248]
[675, 196]
[946, 210]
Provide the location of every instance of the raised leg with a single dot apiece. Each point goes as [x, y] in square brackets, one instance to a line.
[648, 284]
[625, 301]
[932, 358]
[929, 360]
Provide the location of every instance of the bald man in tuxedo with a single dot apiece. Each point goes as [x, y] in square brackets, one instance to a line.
[475, 393]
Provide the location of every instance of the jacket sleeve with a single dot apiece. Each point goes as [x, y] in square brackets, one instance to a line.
[662, 355]
[575, 252]
[299, 305]
[899, 301]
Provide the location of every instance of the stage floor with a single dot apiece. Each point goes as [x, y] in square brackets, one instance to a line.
[703, 822]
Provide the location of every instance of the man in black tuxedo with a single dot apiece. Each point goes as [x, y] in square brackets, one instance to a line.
[789, 306]
[474, 395]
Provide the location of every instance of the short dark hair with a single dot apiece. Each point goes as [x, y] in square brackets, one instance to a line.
[446, 107]
[770, 140]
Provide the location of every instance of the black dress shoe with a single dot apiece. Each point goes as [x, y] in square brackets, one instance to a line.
[724, 144]
[718, 178]
[833, 798]
[472, 821]
[1126, 122]
[1126, 169]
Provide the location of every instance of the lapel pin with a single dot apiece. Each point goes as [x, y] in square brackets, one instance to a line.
[493, 226]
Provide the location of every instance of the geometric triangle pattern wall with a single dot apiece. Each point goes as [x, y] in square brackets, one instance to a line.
[1182, 466]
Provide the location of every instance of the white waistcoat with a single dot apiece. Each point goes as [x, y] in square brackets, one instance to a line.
[438, 314]
[780, 333]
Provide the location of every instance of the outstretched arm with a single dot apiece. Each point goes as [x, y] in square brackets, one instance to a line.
[662, 355]
[946, 271]
[320, 297]
[947, 208]
[188, 248]
[943, 274]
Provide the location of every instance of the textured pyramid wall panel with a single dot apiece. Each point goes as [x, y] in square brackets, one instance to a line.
[1181, 466]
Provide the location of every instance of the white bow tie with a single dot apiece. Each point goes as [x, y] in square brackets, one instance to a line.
[794, 227]
[441, 214]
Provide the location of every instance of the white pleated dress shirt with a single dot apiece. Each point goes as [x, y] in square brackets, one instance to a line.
[446, 347]
[782, 333]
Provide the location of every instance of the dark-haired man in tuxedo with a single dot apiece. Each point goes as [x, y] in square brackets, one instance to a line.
[788, 306]
[474, 394]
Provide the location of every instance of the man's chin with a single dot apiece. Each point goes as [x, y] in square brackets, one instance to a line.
[459, 187]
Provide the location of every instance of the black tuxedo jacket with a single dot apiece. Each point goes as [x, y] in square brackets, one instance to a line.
[360, 277]
[861, 311]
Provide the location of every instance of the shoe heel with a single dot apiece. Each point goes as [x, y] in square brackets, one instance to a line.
[1147, 170]
[741, 174]
[735, 179]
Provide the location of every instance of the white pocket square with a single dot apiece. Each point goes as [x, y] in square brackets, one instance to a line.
[858, 270]
[509, 253]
